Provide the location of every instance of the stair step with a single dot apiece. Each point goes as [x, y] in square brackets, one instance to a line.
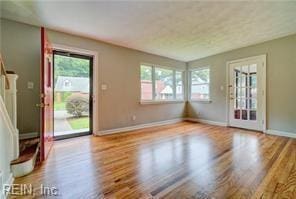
[24, 144]
[25, 164]
[26, 154]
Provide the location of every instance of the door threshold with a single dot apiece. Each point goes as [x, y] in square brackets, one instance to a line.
[74, 135]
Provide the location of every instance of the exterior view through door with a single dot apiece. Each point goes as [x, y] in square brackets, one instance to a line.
[247, 93]
[72, 94]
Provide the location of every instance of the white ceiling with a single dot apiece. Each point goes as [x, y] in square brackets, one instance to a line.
[181, 30]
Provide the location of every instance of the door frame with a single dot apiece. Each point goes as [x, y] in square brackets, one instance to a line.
[263, 61]
[95, 80]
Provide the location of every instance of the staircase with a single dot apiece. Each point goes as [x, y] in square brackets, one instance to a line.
[26, 161]
[15, 159]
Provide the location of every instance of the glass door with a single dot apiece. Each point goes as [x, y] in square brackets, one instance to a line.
[72, 94]
[245, 95]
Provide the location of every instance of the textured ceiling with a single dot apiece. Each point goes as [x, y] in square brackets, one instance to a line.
[180, 30]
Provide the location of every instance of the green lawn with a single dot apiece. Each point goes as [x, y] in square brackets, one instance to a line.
[79, 123]
[59, 106]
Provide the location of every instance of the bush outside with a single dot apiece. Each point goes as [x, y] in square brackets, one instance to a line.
[78, 104]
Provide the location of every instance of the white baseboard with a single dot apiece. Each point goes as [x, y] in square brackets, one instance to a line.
[137, 127]
[281, 133]
[24, 136]
[206, 121]
[153, 124]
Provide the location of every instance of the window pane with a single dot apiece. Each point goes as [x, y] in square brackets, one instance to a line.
[253, 92]
[237, 114]
[244, 114]
[252, 115]
[244, 80]
[253, 80]
[200, 76]
[163, 84]
[200, 80]
[146, 82]
[200, 91]
[242, 103]
[243, 93]
[179, 85]
[237, 75]
[253, 104]
[237, 82]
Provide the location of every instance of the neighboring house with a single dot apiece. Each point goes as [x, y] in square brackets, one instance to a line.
[199, 91]
[163, 91]
[166, 93]
[71, 84]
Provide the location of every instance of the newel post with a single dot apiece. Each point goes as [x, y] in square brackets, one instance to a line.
[11, 106]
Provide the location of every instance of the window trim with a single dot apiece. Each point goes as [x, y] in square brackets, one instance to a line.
[157, 101]
[190, 84]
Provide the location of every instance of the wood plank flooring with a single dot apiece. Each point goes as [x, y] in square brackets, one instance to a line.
[184, 160]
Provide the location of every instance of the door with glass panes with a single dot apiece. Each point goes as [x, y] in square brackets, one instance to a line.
[246, 94]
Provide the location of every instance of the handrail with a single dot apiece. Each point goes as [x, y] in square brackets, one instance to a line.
[3, 72]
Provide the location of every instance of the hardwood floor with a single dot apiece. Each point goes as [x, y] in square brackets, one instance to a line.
[184, 160]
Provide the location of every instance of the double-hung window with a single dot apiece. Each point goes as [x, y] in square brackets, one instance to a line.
[161, 83]
[200, 84]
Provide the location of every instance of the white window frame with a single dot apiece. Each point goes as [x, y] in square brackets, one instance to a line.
[157, 101]
[190, 84]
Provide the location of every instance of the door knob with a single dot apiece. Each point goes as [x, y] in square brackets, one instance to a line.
[41, 105]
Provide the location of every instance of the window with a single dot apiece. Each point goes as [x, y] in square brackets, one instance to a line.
[164, 86]
[200, 84]
[179, 85]
[146, 82]
[161, 84]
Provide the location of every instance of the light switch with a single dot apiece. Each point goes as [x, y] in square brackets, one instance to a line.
[30, 85]
[104, 87]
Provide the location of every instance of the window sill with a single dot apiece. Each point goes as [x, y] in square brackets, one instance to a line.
[201, 101]
[162, 102]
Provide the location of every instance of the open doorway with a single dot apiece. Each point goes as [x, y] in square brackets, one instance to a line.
[73, 76]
